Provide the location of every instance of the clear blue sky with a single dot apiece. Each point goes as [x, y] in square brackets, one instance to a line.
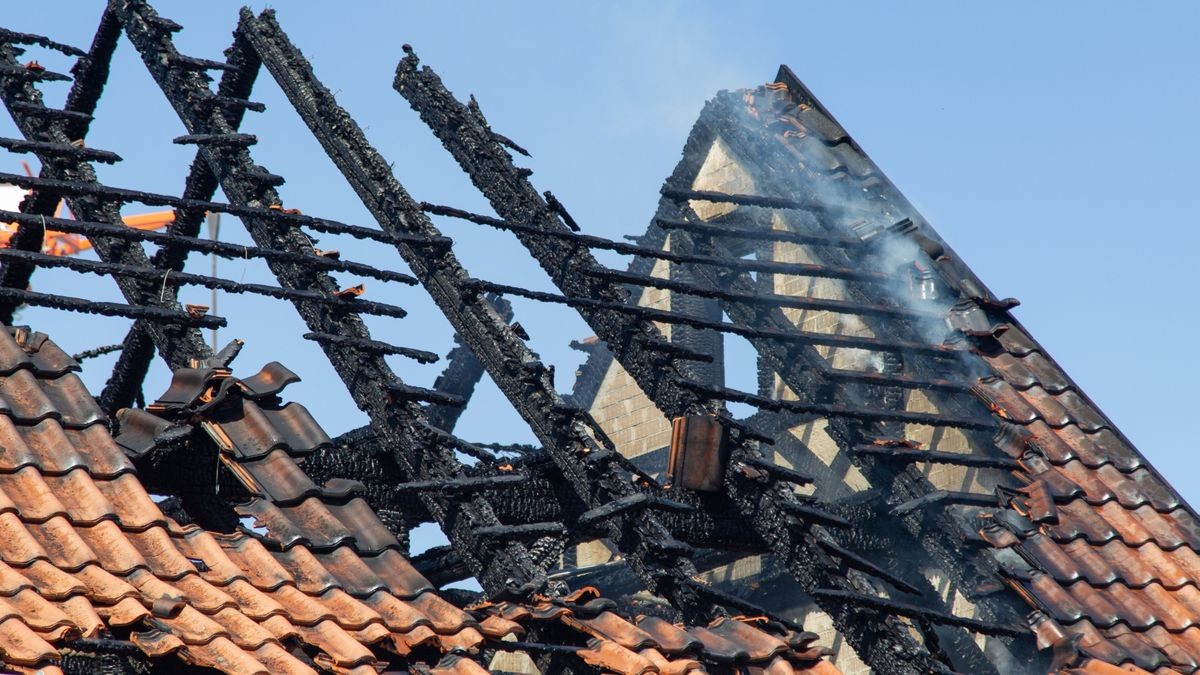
[1053, 145]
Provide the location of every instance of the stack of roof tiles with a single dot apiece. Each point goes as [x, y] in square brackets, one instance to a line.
[1097, 542]
[85, 552]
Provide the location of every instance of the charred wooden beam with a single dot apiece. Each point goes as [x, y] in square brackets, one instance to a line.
[91, 74]
[907, 609]
[913, 455]
[749, 331]
[40, 40]
[158, 315]
[591, 241]
[65, 150]
[772, 300]
[730, 231]
[27, 74]
[174, 240]
[373, 346]
[421, 453]
[164, 277]
[842, 410]
[273, 213]
[938, 497]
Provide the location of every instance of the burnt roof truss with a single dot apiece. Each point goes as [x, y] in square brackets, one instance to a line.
[510, 515]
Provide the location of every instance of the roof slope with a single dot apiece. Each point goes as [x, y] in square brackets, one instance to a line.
[1104, 548]
[86, 553]
[1097, 543]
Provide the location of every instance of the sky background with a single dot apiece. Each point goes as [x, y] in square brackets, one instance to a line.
[1053, 145]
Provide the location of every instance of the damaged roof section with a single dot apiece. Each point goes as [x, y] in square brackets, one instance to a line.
[90, 555]
[1092, 537]
[312, 580]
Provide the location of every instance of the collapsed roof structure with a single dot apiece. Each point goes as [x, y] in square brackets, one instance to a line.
[920, 479]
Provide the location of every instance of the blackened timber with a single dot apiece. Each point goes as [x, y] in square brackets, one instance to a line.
[199, 63]
[464, 485]
[441, 566]
[243, 140]
[419, 453]
[91, 74]
[522, 531]
[678, 352]
[883, 641]
[592, 241]
[860, 562]
[170, 240]
[71, 304]
[774, 300]
[50, 113]
[97, 351]
[841, 409]
[901, 380]
[911, 455]
[149, 273]
[568, 434]
[725, 230]
[737, 328]
[234, 103]
[278, 215]
[635, 502]
[374, 346]
[28, 74]
[683, 195]
[178, 343]
[124, 385]
[906, 609]
[39, 40]
[938, 497]
[401, 392]
[67, 150]
[782, 472]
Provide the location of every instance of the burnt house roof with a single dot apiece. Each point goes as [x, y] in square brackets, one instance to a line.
[87, 554]
[916, 470]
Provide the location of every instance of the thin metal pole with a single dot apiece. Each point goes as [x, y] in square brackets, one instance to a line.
[213, 219]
